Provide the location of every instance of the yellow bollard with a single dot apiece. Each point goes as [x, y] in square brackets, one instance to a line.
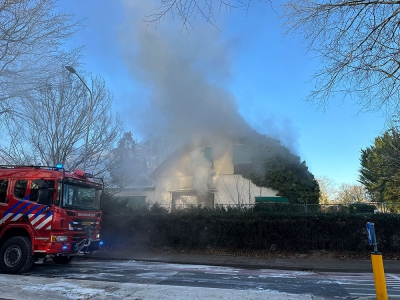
[379, 276]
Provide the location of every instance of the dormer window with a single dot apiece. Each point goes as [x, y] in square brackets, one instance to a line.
[241, 158]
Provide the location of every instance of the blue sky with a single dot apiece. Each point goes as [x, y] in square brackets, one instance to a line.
[264, 74]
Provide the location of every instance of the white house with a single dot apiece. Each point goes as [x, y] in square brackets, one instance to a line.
[204, 176]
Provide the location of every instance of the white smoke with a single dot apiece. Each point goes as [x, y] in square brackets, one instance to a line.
[186, 74]
[200, 167]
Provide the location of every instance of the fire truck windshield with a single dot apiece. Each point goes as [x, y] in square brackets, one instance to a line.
[80, 197]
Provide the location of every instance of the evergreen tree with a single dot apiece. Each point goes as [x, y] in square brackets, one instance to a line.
[276, 167]
[380, 167]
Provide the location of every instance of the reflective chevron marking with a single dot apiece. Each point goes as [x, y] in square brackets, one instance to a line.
[37, 214]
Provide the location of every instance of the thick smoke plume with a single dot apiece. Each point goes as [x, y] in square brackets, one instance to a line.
[186, 74]
[201, 168]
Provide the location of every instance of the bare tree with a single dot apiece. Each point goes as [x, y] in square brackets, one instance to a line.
[327, 189]
[358, 45]
[31, 36]
[51, 127]
[348, 193]
[186, 11]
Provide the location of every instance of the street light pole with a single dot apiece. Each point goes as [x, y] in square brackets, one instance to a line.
[72, 70]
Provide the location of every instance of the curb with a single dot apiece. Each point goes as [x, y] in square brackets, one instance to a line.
[302, 268]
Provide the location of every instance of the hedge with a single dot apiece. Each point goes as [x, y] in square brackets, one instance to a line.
[249, 229]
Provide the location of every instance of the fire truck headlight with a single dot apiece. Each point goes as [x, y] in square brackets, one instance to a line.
[97, 236]
[59, 238]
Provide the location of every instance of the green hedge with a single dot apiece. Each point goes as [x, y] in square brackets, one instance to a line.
[248, 229]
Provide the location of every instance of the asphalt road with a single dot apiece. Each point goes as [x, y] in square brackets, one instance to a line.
[175, 278]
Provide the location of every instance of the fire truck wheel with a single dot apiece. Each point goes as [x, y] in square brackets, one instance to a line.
[61, 259]
[16, 256]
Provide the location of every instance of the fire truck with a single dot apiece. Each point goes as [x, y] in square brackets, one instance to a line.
[47, 212]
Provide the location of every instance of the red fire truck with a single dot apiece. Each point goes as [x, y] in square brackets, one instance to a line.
[47, 212]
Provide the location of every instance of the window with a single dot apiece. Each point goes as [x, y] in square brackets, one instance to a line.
[34, 194]
[20, 188]
[81, 196]
[3, 190]
[242, 169]
[182, 200]
[52, 190]
[241, 159]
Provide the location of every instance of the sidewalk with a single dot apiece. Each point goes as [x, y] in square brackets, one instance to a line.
[297, 264]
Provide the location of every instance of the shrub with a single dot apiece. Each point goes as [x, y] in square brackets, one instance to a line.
[256, 228]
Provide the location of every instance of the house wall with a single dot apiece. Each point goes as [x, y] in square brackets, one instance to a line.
[234, 189]
[150, 195]
[228, 188]
[176, 177]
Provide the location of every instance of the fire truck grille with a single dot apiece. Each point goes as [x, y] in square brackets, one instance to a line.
[81, 224]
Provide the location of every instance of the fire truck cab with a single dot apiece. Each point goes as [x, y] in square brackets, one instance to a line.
[47, 212]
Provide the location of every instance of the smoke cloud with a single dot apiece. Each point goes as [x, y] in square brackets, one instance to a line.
[186, 74]
[201, 169]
